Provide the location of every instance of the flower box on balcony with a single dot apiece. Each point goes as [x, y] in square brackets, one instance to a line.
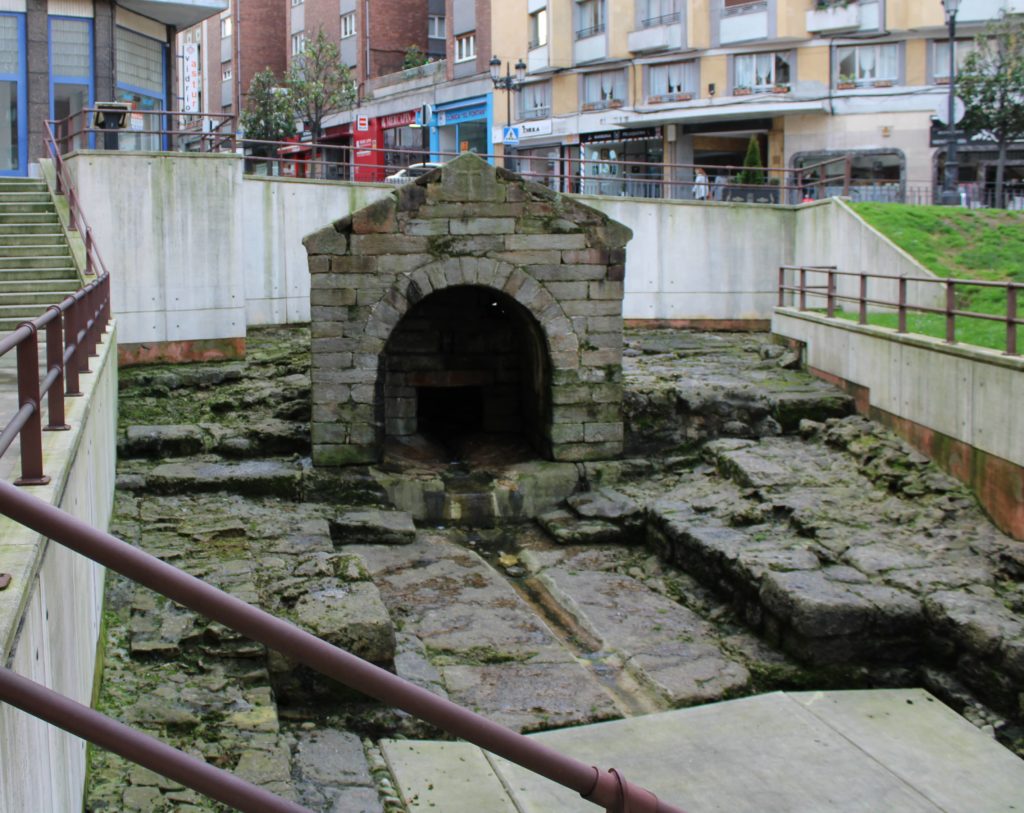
[882, 83]
[616, 103]
[843, 84]
[741, 91]
[833, 18]
[780, 89]
[670, 97]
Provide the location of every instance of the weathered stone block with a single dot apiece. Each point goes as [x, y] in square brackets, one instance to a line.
[606, 290]
[373, 526]
[567, 433]
[545, 242]
[349, 454]
[427, 227]
[351, 616]
[482, 225]
[327, 240]
[601, 358]
[587, 451]
[332, 296]
[377, 218]
[377, 244]
[603, 432]
[577, 289]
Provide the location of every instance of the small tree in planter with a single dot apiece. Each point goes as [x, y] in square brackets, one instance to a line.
[752, 173]
[268, 114]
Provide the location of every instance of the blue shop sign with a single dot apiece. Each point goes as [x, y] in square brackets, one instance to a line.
[445, 117]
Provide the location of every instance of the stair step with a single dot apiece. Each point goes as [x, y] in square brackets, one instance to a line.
[26, 208]
[15, 217]
[37, 239]
[49, 226]
[24, 263]
[22, 185]
[37, 300]
[55, 248]
[11, 197]
[28, 286]
[27, 311]
[63, 272]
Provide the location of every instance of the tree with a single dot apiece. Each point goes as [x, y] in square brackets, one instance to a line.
[991, 85]
[319, 84]
[414, 58]
[753, 171]
[269, 115]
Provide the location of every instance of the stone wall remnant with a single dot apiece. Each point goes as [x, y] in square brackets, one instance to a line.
[471, 297]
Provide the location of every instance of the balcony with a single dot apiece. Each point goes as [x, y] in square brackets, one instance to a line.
[978, 11]
[538, 59]
[744, 23]
[179, 14]
[835, 18]
[657, 34]
[590, 45]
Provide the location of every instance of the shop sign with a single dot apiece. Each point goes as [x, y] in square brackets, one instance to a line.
[625, 134]
[446, 117]
[190, 77]
[398, 120]
[362, 123]
[529, 129]
[365, 146]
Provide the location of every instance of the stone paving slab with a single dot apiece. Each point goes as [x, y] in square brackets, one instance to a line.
[818, 752]
[445, 776]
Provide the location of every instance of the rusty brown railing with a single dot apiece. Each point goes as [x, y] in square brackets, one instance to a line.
[76, 220]
[73, 329]
[605, 789]
[827, 294]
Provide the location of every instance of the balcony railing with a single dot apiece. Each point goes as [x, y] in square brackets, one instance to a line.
[591, 31]
[664, 19]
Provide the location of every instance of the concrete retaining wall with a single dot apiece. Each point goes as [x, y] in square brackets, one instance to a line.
[959, 405]
[203, 250]
[50, 616]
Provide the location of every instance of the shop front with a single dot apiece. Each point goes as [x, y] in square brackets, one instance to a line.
[462, 126]
[13, 83]
[622, 163]
[543, 154]
[406, 140]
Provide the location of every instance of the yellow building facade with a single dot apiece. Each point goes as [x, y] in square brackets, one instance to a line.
[631, 94]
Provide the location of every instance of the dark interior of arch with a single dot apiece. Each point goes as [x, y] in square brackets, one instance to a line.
[466, 367]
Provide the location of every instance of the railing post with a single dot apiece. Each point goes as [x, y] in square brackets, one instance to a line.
[1011, 320]
[782, 286]
[830, 307]
[28, 395]
[847, 174]
[72, 352]
[950, 311]
[803, 289]
[88, 251]
[862, 313]
[902, 326]
[55, 361]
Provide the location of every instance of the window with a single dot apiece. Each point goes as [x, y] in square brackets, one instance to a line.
[296, 2]
[348, 25]
[605, 89]
[188, 38]
[226, 74]
[676, 81]
[298, 43]
[535, 100]
[197, 34]
[225, 27]
[738, 4]
[760, 71]
[465, 47]
[435, 27]
[868, 64]
[940, 58]
[539, 28]
[657, 12]
[589, 18]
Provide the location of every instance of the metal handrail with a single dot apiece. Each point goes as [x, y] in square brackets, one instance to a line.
[76, 219]
[950, 311]
[609, 789]
[73, 329]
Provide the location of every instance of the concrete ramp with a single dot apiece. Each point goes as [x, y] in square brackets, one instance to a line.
[900, 751]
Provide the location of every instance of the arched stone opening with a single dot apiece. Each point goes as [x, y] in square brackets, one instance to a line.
[466, 371]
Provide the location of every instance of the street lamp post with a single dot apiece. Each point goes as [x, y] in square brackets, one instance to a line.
[951, 187]
[510, 84]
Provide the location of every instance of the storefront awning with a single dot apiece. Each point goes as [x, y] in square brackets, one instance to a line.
[179, 13]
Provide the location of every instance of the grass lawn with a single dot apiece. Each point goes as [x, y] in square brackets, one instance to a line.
[982, 244]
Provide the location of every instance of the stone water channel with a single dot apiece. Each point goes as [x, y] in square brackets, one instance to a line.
[757, 536]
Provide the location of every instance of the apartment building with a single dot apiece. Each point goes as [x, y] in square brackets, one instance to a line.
[229, 48]
[60, 57]
[689, 81]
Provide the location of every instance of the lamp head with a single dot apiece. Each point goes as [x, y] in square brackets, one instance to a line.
[495, 64]
[951, 7]
[520, 71]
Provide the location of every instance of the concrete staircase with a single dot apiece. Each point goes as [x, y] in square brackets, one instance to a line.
[36, 266]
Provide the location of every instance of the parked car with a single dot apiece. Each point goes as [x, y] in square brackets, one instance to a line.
[410, 173]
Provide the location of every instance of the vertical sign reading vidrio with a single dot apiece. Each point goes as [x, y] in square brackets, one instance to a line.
[190, 77]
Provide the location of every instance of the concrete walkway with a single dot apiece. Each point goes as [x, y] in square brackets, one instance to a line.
[898, 751]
